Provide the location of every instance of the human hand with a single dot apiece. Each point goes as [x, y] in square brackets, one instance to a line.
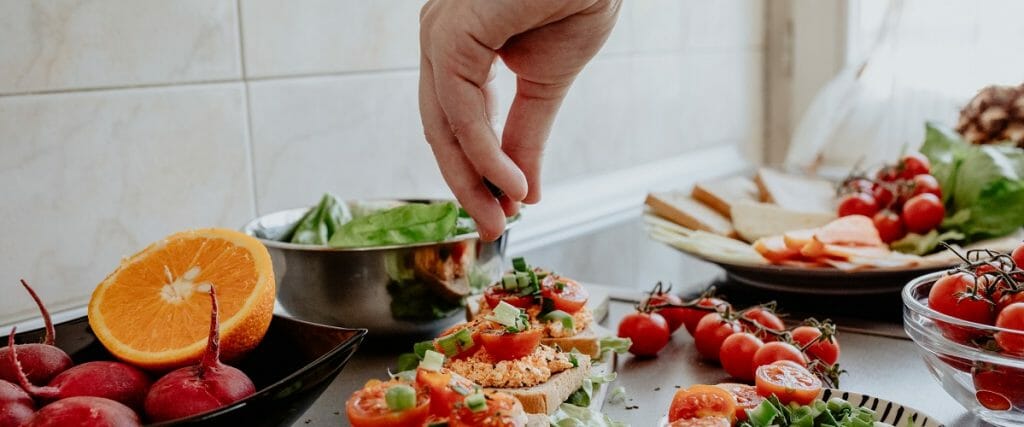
[546, 44]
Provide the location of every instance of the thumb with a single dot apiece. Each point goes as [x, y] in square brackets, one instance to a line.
[527, 128]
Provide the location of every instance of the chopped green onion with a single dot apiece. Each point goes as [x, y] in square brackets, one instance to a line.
[559, 286]
[449, 345]
[407, 361]
[476, 402]
[522, 280]
[400, 397]
[519, 264]
[432, 361]
[534, 281]
[763, 415]
[421, 348]
[572, 359]
[504, 313]
[560, 316]
[509, 282]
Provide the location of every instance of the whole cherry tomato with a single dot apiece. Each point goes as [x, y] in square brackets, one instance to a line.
[826, 351]
[858, 204]
[1011, 317]
[923, 213]
[737, 355]
[693, 315]
[883, 195]
[777, 351]
[914, 164]
[648, 331]
[1018, 256]
[675, 316]
[925, 183]
[766, 319]
[712, 330]
[946, 297]
[890, 226]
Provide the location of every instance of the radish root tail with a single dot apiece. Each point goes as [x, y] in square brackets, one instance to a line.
[211, 358]
[50, 332]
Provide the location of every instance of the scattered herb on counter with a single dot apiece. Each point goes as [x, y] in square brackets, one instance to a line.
[982, 185]
[321, 222]
[411, 223]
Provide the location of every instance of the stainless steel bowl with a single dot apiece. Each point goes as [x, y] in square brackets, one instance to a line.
[410, 290]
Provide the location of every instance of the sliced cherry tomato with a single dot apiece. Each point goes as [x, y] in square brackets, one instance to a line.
[711, 332]
[496, 294]
[1011, 317]
[826, 351]
[925, 183]
[701, 401]
[648, 331]
[702, 422]
[946, 298]
[367, 408]
[788, 381]
[858, 204]
[998, 388]
[923, 213]
[777, 351]
[446, 389]
[503, 410]
[746, 398]
[567, 294]
[914, 164]
[883, 195]
[693, 315]
[502, 345]
[463, 352]
[890, 226]
[765, 318]
[675, 316]
[737, 355]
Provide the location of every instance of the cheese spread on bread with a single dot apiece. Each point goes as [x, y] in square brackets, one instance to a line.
[536, 368]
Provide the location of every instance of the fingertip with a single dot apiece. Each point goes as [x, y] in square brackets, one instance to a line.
[510, 207]
[534, 196]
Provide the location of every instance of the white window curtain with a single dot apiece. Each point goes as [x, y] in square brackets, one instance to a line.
[909, 61]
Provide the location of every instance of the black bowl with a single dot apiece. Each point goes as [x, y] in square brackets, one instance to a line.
[291, 367]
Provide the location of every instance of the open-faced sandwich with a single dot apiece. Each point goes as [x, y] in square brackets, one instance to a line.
[433, 395]
[555, 305]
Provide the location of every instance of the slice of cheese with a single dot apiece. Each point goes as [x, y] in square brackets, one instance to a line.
[754, 220]
[794, 192]
[720, 195]
[688, 212]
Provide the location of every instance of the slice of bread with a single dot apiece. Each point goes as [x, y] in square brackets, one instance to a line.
[545, 398]
[755, 220]
[720, 195]
[585, 342]
[690, 213]
[795, 192]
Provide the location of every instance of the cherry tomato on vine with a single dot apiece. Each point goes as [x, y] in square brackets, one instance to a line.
[998, 387]
[890, 226]
[766, 318]
[883, 195]
[711, 332]
[914, 164]
[692, 316]
[858, 204]
[648, 331]
[923, 213]
[946, 297]
[737, 355]
[1018, 256]
[675, 316]
[778, 351]
[1011, 317]
[925, 183]
[826, 351]
[788, 381]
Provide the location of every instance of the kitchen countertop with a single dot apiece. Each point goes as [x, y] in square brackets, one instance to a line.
[884, 367]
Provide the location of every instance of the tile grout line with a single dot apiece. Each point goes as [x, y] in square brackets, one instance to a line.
[249, 144]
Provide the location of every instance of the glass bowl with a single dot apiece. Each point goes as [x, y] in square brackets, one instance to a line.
[964, 357]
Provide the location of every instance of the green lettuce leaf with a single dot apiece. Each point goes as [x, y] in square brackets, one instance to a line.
[318, 224]
[569, 415]
[919, 244]
[985, 181]
[411, 223]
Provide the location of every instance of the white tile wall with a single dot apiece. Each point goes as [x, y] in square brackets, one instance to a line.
[90, 177]
[69, 44]
[155, 126]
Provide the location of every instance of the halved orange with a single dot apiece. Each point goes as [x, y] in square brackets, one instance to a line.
[154, 310]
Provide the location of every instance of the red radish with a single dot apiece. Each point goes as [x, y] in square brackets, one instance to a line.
[196, 389]
[116, 381]
[16, 406]
[42, 361]
[84, 411]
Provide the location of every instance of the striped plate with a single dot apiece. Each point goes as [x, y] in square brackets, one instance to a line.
[885, 411]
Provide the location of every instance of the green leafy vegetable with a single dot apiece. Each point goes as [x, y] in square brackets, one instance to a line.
[918, 244]
[569, 415]
[321, 222]
[411, 223]
[583, 395]
[985, 181]
[614, 344]
[835, 413]
[414, 300]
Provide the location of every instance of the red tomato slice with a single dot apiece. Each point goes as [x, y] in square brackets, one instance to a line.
[367, 408]
[746, 398]
[503, 410]
[446, 389]
[567, 294]
[496, 294]
[701, 401]
[501, 345]
[788, 381]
